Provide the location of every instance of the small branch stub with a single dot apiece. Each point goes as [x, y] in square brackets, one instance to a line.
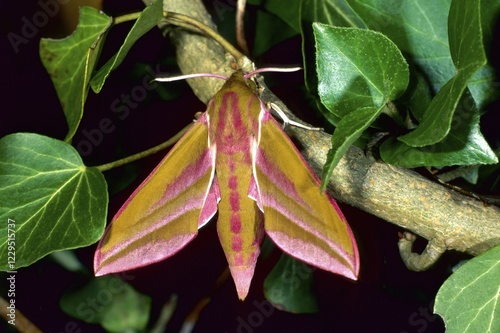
[414, 261]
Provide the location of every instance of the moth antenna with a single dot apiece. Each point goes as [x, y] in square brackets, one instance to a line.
[189, 76]
[272, 69]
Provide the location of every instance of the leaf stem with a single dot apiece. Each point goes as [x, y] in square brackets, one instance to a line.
[142, 154]
[126, 18]
[391, 110]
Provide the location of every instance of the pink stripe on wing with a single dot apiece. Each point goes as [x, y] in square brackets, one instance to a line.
[276, 204]
[189, 175]
[193, 202]
[210, 205]
[143, 255]
[278, 177]
[314, 255]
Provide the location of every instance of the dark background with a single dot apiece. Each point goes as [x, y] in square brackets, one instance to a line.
[387, 297]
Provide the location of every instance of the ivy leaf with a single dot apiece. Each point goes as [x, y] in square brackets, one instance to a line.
[418, 28]
[465, 145]
[264, 40]
[359, 71]
[348, 130]
[357, 68]
[467, 52]
[288, 11]
[469, 300]
[280, 17]
[332, 12]
[148, 19]
[288, 286]
[108, 301]
[71, 61]
[57, 203]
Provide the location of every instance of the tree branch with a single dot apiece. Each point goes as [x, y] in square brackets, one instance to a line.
[449, 220]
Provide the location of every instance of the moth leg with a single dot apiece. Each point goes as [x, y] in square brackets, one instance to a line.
[288, 121]
[197, 116]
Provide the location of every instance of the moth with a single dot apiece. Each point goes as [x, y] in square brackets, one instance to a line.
[235, 160]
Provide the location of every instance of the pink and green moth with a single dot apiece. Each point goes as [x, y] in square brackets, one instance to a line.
[237, 161]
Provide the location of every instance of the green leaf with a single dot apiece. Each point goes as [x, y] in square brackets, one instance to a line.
[482, 83]
[467, 52]
[357, 68]
[437, 120]
[110, 302]
[69, 261]
[469, 300]
[465, 145]
[57, 203]
[418, 28]
[288, 11]
[71, 61]
[288, 286]
[489, 177]
[472, 175]
[418, 96]
[348, 130]
[264, 40]
[332, 12]
[359, 71]
[148, 19]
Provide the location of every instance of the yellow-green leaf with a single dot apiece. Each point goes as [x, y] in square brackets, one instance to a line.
[71, 61]
[148, 19]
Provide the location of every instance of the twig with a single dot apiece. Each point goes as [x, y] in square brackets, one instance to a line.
[142, 154]
[240, 26]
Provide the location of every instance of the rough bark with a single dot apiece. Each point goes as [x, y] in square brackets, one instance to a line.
[449, 220]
